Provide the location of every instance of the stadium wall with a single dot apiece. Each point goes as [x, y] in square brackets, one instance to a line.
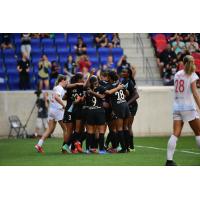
[154, 116]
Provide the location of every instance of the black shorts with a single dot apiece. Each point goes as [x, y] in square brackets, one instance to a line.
[108, 115]
[67, 117]
[78, 113]
[121, 110]
[96, 116]
[133, 109]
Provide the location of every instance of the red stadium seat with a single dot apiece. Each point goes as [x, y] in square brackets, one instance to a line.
[197, 63]
[160, 37]
[160, 45]
[196, 55]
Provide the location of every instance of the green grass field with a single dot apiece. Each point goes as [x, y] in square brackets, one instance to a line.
[150, 151]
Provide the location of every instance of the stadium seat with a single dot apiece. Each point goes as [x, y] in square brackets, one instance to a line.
[91, 52]
[197, 63]
[59, 35]
[47, 42]
[104, 52]
[196, 55]
[48, 50]
[62, 51]
[7, 52]
[60, 41]
[117, 52]
[159, 37]
[3, 82]
[94, 61]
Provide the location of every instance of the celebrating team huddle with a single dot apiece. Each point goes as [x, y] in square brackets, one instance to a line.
[100, 103]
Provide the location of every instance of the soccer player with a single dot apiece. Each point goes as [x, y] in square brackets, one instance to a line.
[129, 82]
[95, 115]
[119, 105]
[184, 108]
[56, 112]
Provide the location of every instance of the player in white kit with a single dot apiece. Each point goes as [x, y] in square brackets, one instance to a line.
[56, 112]
[184, 107]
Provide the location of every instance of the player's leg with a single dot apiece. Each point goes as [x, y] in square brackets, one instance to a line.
[49, 131]
[171, 146]
[195, 125]
[131, 137]
[119, 126]
[46, 84]
[126, 133]
[101, 129]
[90, 138]
[77, 135]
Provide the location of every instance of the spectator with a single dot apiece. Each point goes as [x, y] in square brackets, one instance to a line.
[42, 104]
[80, 47]
[192, 46]
[43, 73]
[26, 44]
[178, 45]
[101, 40]
[83, 62]
[35, 35]
[6, 41]
[168, 78]
[44, 35]
[86, 73]
[55, 68]
[122, 63]
[70, 66]
[166, 57]
[23, 68]
[110, 65]
[115, 40]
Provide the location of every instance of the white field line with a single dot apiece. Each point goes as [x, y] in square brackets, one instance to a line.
[162, 149]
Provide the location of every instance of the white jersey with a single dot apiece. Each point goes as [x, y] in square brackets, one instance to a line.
[183, 97]
[60, 92]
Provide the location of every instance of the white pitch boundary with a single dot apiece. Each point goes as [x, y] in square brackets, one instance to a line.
[162, 149]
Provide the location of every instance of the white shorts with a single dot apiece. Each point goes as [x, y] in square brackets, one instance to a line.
[185, 115]
[55, 114]
[41, 123]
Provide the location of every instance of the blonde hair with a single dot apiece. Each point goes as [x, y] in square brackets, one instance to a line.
[189, 66]
[59, 79]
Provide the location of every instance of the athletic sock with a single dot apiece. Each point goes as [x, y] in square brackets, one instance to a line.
[198, 141]
[115, 140]
[93, 145]
[40, 142]
[131, 142]
[96, 141]
[126, 139]
[171, 146]
[108, 138]
[122, 140]
[88, 141]
[83, 136]
[101, 141]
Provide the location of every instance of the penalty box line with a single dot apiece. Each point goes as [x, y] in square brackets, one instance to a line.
[162, 149]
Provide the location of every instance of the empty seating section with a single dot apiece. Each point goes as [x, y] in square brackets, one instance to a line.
[56, 49]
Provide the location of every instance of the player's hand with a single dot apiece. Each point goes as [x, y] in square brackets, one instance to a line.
[120, 86]
[79, 84]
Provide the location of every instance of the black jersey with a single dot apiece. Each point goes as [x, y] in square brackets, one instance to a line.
[117, 97]
[130, 86]
[92, 100]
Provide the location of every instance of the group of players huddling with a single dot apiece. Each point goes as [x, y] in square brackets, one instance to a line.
[107, 101]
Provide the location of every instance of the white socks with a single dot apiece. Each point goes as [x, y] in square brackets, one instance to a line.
[198, 141]
[171, 146]
[40, 143]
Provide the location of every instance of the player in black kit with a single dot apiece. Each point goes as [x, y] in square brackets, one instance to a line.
[129, 82]
[95, 115]
[120, 108]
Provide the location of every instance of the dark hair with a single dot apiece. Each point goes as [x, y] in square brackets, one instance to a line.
[60, 78]
[73, 79]
[78, 76]
[113, 76]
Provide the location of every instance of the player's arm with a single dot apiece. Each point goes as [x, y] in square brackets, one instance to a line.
[112, 91]
[134, 97]
[59, 100]
[195, 93]
[101, 96]
[73, 85]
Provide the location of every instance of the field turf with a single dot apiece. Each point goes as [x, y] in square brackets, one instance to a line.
[150, 151]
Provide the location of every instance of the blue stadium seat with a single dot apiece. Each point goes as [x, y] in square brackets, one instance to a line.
[60, 41]
[104, 52]
[59, 35]
[47, 42]
[35, 41]
[94, 61]
[48, 50]
[63, 51]
[103, 60]
[7, 52]
[116, 58]
[36, 59]
[117, 52]
[52, 58]
[91, 51]
[10, 61]
[61, 45]
[72, 40]
[3, 83]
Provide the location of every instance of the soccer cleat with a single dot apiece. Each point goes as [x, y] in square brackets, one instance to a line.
[39, 149]
[78, 147]
[111, 150]
[75, 151]
[102, 152]
[93, 151]
[65, 149]
[131, 150]
[170, 163]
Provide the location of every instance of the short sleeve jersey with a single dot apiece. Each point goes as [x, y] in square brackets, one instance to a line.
[183, 97]
[117, 97]
[92, 100]
[59, 90]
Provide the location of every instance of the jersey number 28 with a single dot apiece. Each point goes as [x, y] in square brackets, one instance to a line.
[179, 85]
